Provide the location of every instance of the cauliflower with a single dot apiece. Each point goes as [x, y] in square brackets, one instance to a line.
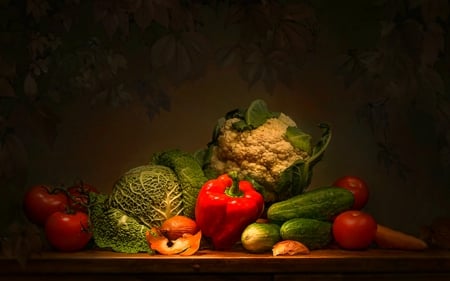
[266, 147]
[262, 153]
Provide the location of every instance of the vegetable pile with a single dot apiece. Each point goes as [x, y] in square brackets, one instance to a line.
[144, 198]
[248, 188]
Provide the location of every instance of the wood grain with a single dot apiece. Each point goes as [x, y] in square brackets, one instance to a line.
[319, 265]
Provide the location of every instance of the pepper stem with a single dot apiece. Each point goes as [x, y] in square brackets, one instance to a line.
[233, 190]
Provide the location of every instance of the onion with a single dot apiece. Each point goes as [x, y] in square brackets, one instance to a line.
[289, 247]
[174, 227]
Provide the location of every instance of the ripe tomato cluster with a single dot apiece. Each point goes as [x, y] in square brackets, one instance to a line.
[354, 229]
[62, 213]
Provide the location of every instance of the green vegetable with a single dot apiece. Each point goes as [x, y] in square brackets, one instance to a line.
[322, 203]
[113, 229]
[145, 197]
[260, 237]
[252, 117]
[297, 177]
[265, 146]
[150, 194]
[314, 234]
[189, 172]
[299, 139]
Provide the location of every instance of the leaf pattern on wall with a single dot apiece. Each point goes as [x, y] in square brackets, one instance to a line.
[153, 96]
[391, 160]
[6, 90]
[30, 87]
[407, 69]
[7, 76]
[274, 40]
[37, 8]
[13, 158]
[180, 56]
[113, 15]
[98, 75]
[151, 10]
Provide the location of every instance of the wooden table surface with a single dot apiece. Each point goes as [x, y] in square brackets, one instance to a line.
[329, 264]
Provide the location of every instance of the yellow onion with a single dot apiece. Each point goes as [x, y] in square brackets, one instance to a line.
[186, 245]
[174, 227]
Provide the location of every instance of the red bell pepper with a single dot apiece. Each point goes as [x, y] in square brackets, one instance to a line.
[225, 206]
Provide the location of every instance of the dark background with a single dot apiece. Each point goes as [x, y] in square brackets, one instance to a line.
[90, 89]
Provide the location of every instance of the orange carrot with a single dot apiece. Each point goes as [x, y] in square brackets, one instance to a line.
[388, 238]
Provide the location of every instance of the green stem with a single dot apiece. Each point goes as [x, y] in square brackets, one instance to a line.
[233, 190]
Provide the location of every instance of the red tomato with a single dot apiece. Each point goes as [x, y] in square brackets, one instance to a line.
[354, 230]
[68, 232]
[79, 196]
[358, 187]
[41, 201]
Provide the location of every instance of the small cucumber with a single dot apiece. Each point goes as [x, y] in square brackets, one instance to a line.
[314, 234]
[260, 237]
[322, 203]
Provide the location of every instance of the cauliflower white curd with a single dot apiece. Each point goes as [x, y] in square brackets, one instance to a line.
[262, 153]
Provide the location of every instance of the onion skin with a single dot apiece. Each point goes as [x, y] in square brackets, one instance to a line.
[289, 248]
[176, 226]
[186, 245]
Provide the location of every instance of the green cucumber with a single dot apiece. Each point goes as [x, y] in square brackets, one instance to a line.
[314, 234]
[260, 237]
[322, 203]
